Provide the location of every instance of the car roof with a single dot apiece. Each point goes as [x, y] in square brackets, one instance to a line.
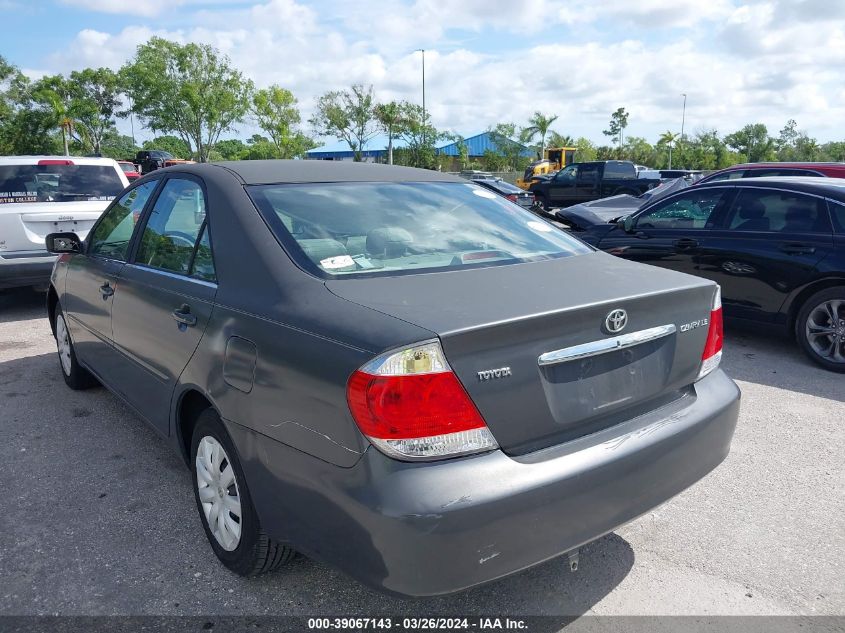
[775, 165]
[833, 187]
[77, 160]
[257, 172]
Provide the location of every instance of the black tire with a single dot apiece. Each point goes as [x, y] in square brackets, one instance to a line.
[836, 339]
[255, 553]
[76, 377]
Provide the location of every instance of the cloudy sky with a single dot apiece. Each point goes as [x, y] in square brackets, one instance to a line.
[489, 61]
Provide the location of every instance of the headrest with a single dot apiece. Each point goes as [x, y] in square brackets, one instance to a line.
[388, 241]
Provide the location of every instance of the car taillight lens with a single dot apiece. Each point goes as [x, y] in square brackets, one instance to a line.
[411, 405]
[54, 161]
[512, 197]
[712, 354]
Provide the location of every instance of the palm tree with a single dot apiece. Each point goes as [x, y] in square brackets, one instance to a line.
[668, 138]
[560, 140]
[61, 116]
[538, 124]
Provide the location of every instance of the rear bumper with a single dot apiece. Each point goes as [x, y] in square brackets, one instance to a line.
[18, 269]
[423, 529]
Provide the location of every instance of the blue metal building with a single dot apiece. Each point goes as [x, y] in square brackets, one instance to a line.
[477, 146]
[376, 149]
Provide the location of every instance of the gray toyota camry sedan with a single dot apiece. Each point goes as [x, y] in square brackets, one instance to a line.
[393, 370]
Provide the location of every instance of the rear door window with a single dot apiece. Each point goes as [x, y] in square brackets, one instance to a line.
[763, 173]
[113, 232]
[728, 175]
[173, 227]
[619, 169]
[769, 210]
[56, 182]
[689, 210]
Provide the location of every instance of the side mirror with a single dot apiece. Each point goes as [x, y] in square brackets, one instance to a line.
[59, 243]
[626, 223]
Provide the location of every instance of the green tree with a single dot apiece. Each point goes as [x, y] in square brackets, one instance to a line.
[586, 150]
[753, 142]
[538, 124]
[26, 125]
[259, 148]
[188, 90]
[95, 101]
[348, 116]
[616, 129]
[502, 137]
[118, 146]
[390, 118]
[834, 151]
[276, 113]
[560, 140]
[640, 151]
[420, 138]
[54, 94]
[230, 149]
[169, 143]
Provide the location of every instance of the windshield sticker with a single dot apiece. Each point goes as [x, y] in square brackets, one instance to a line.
[483, 193]
[18, 196]
[335, 263]
[539, 226]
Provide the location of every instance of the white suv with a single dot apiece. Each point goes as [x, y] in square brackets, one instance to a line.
[48, 194]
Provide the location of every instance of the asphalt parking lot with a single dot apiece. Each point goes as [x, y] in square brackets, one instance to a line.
[98, 515]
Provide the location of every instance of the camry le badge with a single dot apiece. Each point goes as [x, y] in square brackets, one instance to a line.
[616, 320]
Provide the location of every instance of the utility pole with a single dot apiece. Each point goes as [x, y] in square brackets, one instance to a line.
[132, 120]
[422, 50]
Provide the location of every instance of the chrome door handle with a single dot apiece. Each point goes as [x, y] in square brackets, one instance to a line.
[106, 290]
[183, 316]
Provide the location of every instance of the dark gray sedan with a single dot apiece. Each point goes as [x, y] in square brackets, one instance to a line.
[393, 370]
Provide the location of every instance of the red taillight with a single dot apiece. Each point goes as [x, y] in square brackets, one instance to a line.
[712, 354]
[54, 161]
[402, 407]
[412, 406]
[512, 197]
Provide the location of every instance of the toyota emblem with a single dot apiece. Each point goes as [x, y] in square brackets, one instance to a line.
[616, 321]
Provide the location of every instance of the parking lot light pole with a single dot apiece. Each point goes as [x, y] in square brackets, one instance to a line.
[683, 114]
[422, 50]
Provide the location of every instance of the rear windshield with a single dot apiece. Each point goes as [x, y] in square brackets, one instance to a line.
[366, 229]
[127, 167]
[58, 183]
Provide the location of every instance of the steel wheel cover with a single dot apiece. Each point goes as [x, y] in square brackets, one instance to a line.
[218, 493]
[63, 344]
[825, 330]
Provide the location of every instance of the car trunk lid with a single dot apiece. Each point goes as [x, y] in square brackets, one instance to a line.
[496, 323]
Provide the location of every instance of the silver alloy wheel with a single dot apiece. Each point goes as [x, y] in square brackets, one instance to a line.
[825, 330]
[63, 343]
[218, 492]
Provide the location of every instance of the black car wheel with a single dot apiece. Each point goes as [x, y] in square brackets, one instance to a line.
[224, 503]
[76, 376]
[541, 201]
[820, 328]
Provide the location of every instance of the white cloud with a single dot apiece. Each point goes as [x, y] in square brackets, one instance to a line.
[738, 64]
[148, 8]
